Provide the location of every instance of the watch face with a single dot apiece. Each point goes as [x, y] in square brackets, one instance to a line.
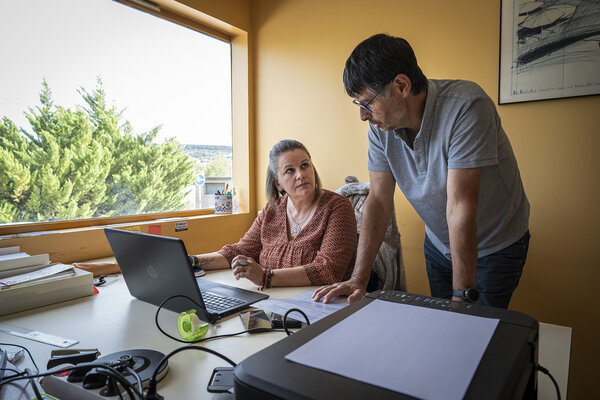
[472, 294]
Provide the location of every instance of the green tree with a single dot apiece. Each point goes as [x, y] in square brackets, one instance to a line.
[86, 163]
[220, 166]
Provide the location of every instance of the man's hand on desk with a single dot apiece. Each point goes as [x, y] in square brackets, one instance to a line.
[354, 289]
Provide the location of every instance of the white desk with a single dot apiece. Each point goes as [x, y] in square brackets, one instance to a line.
[113, 321]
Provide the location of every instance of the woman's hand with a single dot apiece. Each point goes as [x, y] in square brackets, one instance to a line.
[251, 270]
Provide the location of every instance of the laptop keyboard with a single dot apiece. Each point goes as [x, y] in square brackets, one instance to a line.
[219, 303]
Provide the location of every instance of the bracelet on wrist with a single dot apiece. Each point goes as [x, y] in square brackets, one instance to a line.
[264, 280]
[193, 260]
[268, 275]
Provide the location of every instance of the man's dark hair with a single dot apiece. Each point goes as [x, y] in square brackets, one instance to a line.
[377, 60]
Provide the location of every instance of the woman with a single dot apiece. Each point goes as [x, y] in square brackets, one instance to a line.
[304, 236]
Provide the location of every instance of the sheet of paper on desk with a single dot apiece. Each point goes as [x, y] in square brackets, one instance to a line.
[313, 310]
[422, 352]
[53, 270]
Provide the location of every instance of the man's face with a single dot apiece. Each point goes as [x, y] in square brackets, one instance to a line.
[388, 110]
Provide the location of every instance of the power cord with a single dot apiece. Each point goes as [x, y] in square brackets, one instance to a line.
[286, 315]
[151, 393]
[204, 339]
[128, 386]
[17, 373]
[28, 374]
[28, 352]
[545, 371]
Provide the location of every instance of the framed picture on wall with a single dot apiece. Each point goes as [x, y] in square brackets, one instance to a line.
[549, 49]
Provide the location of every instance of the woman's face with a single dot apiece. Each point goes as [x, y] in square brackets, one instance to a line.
[296, 175]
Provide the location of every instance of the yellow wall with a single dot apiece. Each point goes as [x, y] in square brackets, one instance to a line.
[301, 47]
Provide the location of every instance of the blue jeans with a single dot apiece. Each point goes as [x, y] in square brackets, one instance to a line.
[498, 274]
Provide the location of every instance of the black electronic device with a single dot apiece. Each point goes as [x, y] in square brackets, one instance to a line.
[157, 267]
[469, 294]
[506, 370]
[94, 383]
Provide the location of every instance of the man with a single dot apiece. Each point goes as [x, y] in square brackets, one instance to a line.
[442, 142]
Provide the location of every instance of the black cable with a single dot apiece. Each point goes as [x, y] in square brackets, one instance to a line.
[136, 376]
[38, 395]
[204, 339]
[28, 352]
[151, 392]
[100, 281]
[545, 371]
[128, 386]
[286, 315]
[16, 371]
[122, 380]
[113, 373]
[160, 306]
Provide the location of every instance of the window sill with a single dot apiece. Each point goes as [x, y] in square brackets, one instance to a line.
[201, 233]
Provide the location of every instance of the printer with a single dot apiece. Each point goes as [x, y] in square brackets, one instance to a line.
[507, 369]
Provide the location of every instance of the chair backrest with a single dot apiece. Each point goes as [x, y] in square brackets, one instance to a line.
[389, 264]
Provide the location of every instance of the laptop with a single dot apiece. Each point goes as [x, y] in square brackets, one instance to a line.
[157, 267]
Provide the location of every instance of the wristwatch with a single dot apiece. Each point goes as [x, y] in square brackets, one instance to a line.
[470, 295]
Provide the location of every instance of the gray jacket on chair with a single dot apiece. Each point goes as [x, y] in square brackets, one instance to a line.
[389, 264]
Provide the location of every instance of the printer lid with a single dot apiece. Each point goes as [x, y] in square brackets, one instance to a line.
[505, 368]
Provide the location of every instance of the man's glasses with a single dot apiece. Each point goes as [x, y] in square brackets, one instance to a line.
[366, 106]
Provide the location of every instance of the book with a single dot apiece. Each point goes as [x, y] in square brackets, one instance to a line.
[9, 250]
[46, 291]
[10, 256]
[21, 260]
[52, 270]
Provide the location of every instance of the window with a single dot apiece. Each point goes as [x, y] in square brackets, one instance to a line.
[108, 111]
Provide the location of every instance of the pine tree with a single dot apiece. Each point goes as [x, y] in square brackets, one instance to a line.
[86, 163]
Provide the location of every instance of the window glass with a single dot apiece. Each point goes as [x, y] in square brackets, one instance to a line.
[107, 110]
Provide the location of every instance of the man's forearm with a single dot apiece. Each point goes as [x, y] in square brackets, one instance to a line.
[463, 247]
[461, 215]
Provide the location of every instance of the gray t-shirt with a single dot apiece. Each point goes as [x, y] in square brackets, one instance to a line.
[460, 129]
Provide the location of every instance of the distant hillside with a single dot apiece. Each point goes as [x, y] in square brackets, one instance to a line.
[206, 153]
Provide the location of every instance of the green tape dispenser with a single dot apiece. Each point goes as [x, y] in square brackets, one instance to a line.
[190, 327]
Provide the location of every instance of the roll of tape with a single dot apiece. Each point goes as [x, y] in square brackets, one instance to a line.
[190, 327]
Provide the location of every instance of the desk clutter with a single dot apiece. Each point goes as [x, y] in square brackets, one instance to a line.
[30, 281]
[504, 365]
[110, 377]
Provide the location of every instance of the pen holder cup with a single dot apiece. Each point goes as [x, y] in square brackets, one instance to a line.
[223, 203]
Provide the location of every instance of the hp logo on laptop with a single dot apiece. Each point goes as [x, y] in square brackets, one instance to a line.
[151, 271]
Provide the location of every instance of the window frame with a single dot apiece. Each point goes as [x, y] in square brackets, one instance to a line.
[238, 40]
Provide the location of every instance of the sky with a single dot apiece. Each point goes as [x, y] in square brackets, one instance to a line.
[159, 72]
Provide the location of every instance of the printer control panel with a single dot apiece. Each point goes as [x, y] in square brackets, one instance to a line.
[424, 301]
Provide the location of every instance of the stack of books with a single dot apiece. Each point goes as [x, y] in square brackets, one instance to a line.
[30, 281]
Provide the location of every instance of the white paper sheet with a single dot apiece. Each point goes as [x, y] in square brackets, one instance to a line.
[422, 352]
[313, 310]
[56, 269]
